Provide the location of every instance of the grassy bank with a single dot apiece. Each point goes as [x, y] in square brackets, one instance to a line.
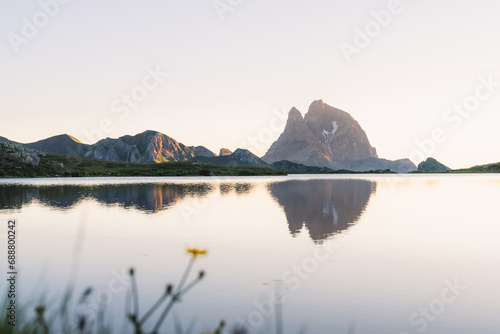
[489, 168]
[53, 165]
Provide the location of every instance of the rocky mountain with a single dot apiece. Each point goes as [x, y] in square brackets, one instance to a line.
[13, 153]
[324, 135]
[239, 157]
[62, 144]
[432, 165]
[329, 137]
[149, 146]
[224, 151]
[373, 164]
[201, 151]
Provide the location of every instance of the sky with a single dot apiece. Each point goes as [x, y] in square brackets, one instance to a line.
[421, 77]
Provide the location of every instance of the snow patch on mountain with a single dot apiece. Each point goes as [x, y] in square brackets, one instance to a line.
[330, 134]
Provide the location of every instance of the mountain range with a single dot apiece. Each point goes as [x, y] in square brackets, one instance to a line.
[147, 147]
[326, 138]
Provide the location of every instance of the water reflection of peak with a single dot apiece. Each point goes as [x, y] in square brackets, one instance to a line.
[144, 197]
[324, 207]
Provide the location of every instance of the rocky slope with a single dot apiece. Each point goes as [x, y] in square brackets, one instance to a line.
[238, 158]
[224, 152]
[13, 154]
[62, 144]
[373, 164]
[329, 137]
[149, 146]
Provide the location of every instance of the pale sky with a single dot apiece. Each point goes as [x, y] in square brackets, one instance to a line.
[66, 72]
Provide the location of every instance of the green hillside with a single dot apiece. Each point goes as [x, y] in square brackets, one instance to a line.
[53, 165]
[489, 168]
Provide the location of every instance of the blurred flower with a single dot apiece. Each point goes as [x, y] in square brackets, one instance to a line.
[196, 252]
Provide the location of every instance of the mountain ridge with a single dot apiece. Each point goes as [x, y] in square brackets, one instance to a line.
[60, 144]
[148, 146]
[325, 137]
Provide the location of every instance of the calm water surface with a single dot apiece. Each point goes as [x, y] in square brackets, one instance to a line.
[377, 254]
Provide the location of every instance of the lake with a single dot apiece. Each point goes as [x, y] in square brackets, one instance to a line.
[359, 254]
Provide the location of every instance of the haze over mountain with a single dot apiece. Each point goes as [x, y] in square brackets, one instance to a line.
[329, 137]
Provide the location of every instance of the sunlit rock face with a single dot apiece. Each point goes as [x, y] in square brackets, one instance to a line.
[224, 152]
[149, 146]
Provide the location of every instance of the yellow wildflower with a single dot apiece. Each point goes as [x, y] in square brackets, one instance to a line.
[196, 252]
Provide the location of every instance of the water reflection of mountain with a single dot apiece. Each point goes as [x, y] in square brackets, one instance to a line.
[324, 207]
[144, 197]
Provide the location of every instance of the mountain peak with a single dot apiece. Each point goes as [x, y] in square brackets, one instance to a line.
[73, 138]
[294, 113]
[150, 132]
[432, 165]
[64, 137]
[224, 151]
[318, 105]
[61, 144]
[324, 135]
